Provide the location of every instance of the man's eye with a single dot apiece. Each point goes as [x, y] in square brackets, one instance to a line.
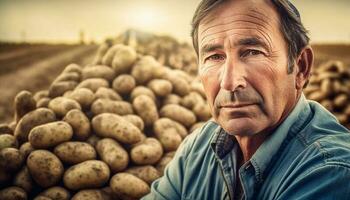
[215, 57]
[251, 52]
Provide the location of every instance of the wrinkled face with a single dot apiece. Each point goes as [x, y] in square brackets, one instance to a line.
[243, 67]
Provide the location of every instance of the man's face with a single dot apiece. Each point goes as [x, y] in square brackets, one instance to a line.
[243, 67]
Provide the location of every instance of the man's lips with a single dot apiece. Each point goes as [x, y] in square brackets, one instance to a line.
[236, 105]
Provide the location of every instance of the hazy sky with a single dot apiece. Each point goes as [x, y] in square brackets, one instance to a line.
[61, 20]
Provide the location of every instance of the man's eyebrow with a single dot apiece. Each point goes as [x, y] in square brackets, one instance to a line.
[210, 47]
[252, 41]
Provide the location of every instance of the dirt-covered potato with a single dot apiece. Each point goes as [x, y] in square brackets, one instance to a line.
[107, 93]
[147, 152]
[11, 159]
[162, 124]
[160, 87]
[61, 105]
[143, 69]
[13, 193]
[180, 85]
[129, 185]
[73, 68]
[147, 173]
[74, 152]
[80, 124]
[88, 174]
[7, 140]
[124, 84]
[98, 71]
[136, 120]
[164, 161]
[24, 103]
[109, 106]
[41, 94]
[25, 149]
[93, 84]
[146, 108]
[192, 99]
[91, 194]
[142, 90]
[83, 96]
[45, 168]
[179, 114]
[123, 59]
[31, 120]
[23, 179]
[50, 134]
[172, 99]
[43, 102]
[68, 76]
[92, 140]
[59, 88]
[202, 111]
[116, 127]
[56, 193]
[112, 153]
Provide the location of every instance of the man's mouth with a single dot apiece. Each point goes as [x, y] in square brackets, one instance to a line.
[236, 105]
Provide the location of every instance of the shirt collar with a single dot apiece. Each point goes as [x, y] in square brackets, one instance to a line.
[222, 143]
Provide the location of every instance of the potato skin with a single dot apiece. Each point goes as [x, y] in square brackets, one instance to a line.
[179, 114]
[147, 152]
[136, 120]
[56, 193]
[80, 124]
[59, 88]
[91, 194]
[146, 108]
[45, 167]
[50, 134]
[160, 87]
[112, 154]
[143, 70]
[13, 193]
[83, 96]
[107, 93]
[129, 185]
[123, 59]
[142, 90]
[88, 174]
[25, 149]
[147, 173]
[98, 71]
[124, 84]
[163, 162]
[11, 159]
[7, 140]
[116, 127]
[24, 103]
[74, 152]
[93, 84]
[61, 105]
[109, 106]
[31, 120]
[23, 179]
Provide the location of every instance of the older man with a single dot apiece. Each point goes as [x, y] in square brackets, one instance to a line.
[266, 141]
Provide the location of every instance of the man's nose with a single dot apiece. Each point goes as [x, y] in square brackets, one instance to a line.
[233, 76]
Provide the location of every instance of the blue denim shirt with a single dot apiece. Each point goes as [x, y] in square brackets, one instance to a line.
[307, 157]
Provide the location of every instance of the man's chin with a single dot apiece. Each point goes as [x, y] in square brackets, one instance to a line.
[239, 127]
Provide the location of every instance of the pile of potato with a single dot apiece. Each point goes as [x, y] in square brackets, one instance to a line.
[165, 49]
[105, 131]
[330, 86]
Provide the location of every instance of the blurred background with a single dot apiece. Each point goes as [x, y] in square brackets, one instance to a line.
[39, 38]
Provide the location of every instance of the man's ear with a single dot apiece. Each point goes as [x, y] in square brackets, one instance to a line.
[304, 64]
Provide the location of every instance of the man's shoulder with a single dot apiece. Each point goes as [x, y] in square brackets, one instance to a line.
[325, 137]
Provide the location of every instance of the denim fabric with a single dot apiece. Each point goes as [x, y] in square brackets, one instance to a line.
[307, 157]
